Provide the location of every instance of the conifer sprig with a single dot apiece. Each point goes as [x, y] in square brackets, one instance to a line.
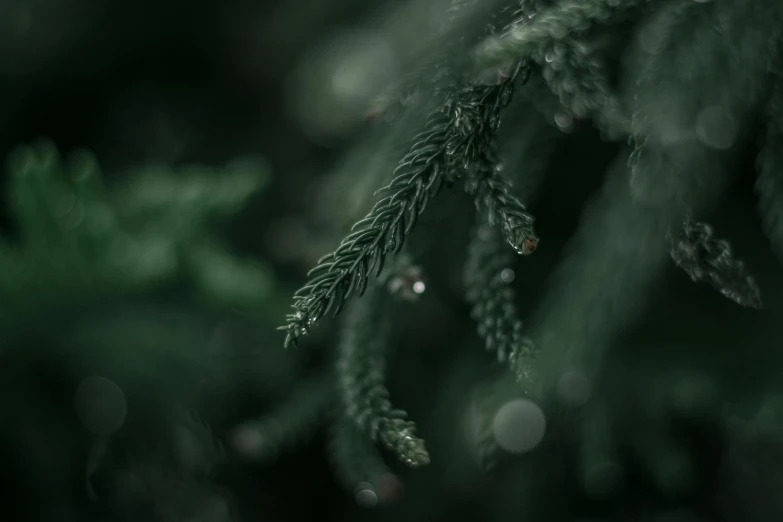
[454, 138]
[706, 258]
[288, 423]
[549, 26]
[487, 277]
[493, 193]
[78, 240]
[434, 71]
[361, 370]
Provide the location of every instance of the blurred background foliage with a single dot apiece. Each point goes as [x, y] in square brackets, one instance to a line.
[174, 168]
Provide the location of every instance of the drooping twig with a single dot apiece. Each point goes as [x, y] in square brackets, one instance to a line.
[359, 466]
[708, 259]
[361, 370]
[288, 423]
[769, 185]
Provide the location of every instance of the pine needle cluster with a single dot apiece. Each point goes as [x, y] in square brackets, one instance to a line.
[677, 143]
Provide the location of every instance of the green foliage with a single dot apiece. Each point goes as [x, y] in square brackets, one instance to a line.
[487, 276]
[78, 241]
[70, 243]
[78, 250]
[361, 369]
[455, 136]
[133, 482]
[359, 465]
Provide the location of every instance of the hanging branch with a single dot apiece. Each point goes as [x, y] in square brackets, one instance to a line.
[707, 259]
[493, 192]
[361, 368]
[453, 139]
[769, 186]
[359, 466]
[459, 36]
[487, 277]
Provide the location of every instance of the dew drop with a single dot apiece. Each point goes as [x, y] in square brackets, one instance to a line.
[507, 275]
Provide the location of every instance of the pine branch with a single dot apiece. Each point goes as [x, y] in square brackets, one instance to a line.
[289, 423]
[493, 192]
[454, 138]
[580, 80]
[487, 277]
[436, 69]
[482, 435]
[360, 369]
[594, 290]
[549, 26]
[707, 259]
[78, 241]
[359, 467]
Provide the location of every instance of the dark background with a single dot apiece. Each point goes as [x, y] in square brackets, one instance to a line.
[205, 82]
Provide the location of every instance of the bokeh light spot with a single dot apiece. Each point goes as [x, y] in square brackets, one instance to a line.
[100, 405]
[519, 426]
